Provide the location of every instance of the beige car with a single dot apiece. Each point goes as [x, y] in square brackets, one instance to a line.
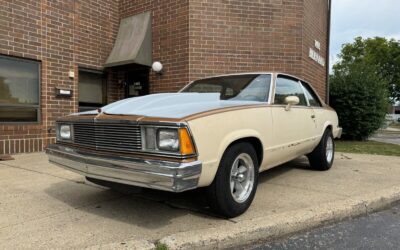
[217, 132]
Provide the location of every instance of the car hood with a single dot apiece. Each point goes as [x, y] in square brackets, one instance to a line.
[168, 105]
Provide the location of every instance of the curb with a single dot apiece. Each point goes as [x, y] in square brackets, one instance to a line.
[132, 245]
[279, 225]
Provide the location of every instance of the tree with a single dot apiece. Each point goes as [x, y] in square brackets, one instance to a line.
[359, 96]
[380, 54]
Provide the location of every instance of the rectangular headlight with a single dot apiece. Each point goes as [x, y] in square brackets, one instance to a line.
[64, 132]
[168, 139]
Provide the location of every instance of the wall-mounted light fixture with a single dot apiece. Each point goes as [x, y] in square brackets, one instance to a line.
[71, 74]
[157, 67]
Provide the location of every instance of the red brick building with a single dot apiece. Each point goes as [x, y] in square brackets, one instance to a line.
[61, 56]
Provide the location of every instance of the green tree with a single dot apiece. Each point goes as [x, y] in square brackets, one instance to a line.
[359, 96]
[381, 54]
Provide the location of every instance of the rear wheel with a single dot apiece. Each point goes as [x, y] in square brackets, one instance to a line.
[321, 158]
[235, 183]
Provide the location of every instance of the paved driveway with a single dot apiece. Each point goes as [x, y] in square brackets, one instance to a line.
[393, 137]
[42, 206]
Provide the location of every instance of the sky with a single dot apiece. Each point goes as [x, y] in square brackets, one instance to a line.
[365, 18]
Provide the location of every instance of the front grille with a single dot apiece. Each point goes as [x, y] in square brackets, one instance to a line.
[114, 137]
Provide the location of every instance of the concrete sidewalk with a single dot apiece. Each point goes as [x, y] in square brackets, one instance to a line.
[42, 206]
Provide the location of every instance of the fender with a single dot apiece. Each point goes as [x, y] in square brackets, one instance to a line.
[326, 125]
[226, 141]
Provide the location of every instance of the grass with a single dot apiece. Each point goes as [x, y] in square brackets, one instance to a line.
[395, 125]
[368, 147]
[161, 246]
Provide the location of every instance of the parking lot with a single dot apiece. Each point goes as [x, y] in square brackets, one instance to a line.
[43, 206]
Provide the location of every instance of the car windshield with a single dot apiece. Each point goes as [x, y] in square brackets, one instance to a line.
[250, 87]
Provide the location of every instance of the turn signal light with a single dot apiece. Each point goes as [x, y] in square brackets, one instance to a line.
[187, 147]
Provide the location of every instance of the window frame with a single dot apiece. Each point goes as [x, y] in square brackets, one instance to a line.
[104, 79]
[38, 106]
[295, 80]
[304, 85]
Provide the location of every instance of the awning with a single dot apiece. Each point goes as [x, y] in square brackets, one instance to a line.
[133, 43]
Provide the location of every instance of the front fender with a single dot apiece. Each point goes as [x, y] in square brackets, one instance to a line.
[235, 136]
[208, 177]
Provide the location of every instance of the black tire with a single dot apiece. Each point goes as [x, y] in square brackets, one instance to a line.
[219, 193]
[318, 157]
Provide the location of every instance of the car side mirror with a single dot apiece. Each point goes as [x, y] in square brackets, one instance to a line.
[291, 101]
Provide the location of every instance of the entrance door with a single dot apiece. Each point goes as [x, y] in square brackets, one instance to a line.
[137, 84]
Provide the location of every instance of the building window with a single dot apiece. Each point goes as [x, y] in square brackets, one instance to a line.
[19, 90]
[92, 90]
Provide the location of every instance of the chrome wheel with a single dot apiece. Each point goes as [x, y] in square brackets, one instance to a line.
[329, 149]
[242, 178]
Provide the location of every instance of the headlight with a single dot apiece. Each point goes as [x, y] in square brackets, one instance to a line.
[173, 140]
[64, 132]
[168, 139]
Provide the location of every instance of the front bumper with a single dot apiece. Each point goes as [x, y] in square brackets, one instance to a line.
[156, 174]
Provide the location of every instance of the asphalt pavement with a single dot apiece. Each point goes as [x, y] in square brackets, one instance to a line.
[375, 231]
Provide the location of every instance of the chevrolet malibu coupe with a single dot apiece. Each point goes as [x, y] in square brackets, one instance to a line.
[217, 132]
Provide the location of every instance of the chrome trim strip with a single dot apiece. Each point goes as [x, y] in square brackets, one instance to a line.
[155, 174]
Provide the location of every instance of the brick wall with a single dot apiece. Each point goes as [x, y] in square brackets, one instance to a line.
[315, 28]
[61, 34]
[273, 35]
[170, 32]
[192, 38]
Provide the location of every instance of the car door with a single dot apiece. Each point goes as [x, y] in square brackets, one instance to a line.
[314, 102]
[293, 128]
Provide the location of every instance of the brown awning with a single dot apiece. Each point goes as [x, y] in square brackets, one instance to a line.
[133, 43]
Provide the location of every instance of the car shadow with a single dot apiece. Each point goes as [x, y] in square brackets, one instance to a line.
[270, 174]
[143, 207]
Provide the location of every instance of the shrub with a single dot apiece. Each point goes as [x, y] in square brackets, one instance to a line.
[360, 98]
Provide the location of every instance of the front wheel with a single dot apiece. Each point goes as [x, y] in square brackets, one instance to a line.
[235, 183]
[321, 158]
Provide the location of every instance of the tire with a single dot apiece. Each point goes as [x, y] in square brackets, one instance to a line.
[223, 194]
[321, 158]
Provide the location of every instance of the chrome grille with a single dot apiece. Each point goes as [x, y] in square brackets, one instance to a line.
[106, 136]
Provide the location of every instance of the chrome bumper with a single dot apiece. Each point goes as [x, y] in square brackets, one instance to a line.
[162, 175]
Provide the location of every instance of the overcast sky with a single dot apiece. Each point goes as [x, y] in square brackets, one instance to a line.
[365, 18]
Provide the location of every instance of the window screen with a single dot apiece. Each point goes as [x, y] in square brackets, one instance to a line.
[91, 89]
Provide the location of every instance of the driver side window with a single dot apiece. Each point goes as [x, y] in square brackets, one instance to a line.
[285, 87]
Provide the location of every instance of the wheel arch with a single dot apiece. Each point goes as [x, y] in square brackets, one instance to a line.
[251, 136]
[255, 142]
[327, 125]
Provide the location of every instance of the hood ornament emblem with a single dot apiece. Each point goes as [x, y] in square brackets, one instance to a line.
[99, 110]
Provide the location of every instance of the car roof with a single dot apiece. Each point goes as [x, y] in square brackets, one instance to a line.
[254, 73]
[265, 73]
